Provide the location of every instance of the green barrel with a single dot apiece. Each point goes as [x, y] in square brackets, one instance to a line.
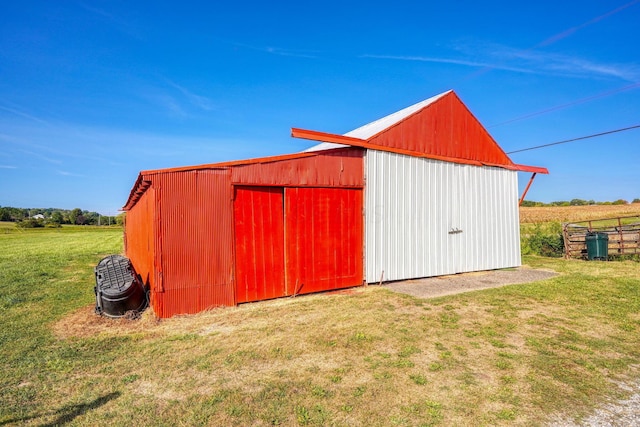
[597, 246]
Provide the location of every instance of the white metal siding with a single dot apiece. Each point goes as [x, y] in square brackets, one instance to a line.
[415, 205]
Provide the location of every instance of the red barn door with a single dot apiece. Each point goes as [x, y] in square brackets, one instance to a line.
[296, 241]
[324, 241]
[259, 240]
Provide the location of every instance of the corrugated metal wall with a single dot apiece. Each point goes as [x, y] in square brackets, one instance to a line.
[196, 244]
[445, 128]
[296, 240]
[259, 238]
[140, 235]
[428, 218]
[324, 239]
[340, 168]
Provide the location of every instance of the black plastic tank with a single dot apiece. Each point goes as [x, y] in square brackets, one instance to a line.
[118, 288]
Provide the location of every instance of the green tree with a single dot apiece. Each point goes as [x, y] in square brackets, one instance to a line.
[74, 216]
[30, 223]
[56, 217]
[91, 218]
[531, 203]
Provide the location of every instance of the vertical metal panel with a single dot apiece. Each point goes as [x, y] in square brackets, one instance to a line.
[324, 238]
[140, 237]
[429, 218]
[259, 238]
[143, 243]
[339, 168]
[195, 241]
[445, 127]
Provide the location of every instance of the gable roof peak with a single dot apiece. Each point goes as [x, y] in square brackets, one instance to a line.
[377, 126]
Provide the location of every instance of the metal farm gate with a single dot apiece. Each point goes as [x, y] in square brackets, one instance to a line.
[623, 236]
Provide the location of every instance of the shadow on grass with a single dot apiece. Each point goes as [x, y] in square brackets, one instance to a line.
[68, 413]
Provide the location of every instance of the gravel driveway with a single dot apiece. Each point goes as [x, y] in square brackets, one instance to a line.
[622, 413]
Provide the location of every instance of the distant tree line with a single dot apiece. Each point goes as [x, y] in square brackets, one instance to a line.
[52, 217]
[577, 202]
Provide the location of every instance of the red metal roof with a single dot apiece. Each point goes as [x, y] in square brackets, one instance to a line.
[332, 167]
[440, 128]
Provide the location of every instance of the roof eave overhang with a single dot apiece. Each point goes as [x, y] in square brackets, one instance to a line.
[532, 169]
[314, 135]
[144, 178]
[139, 188]
[225, 165]
[357, 142]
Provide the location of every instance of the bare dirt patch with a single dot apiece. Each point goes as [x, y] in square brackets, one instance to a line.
[432, 287]
[84, 322]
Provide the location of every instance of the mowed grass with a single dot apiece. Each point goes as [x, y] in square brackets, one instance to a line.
[514, 355]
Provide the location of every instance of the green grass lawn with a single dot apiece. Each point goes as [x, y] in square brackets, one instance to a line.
[508, 356]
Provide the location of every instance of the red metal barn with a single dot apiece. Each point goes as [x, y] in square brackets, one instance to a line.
[229, 233]
[441, 195]
[440, 198]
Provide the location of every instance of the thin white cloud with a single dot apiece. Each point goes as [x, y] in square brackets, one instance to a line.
[65, 173]
[40, 156]
[97, 11]
[20, 113]
[114, 20]
[288, 52]
[165, 102]
[198, 100]
[46, 143]
[546, 62]
[175, 100]
[280, 51]
[506, 58]
[8, 167]
[580, 66]
[172, 105]
[448, 61]
[62, 144]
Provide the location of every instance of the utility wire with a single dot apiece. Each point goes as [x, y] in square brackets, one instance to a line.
[569, 104]
[575, 139]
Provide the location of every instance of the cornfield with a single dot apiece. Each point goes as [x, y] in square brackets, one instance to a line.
[541, 214]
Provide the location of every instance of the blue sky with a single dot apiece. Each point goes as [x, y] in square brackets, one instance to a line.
[92, 92]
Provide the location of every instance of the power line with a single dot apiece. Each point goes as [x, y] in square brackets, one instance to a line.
[575, 139]
[572, 30]
[569, 104]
